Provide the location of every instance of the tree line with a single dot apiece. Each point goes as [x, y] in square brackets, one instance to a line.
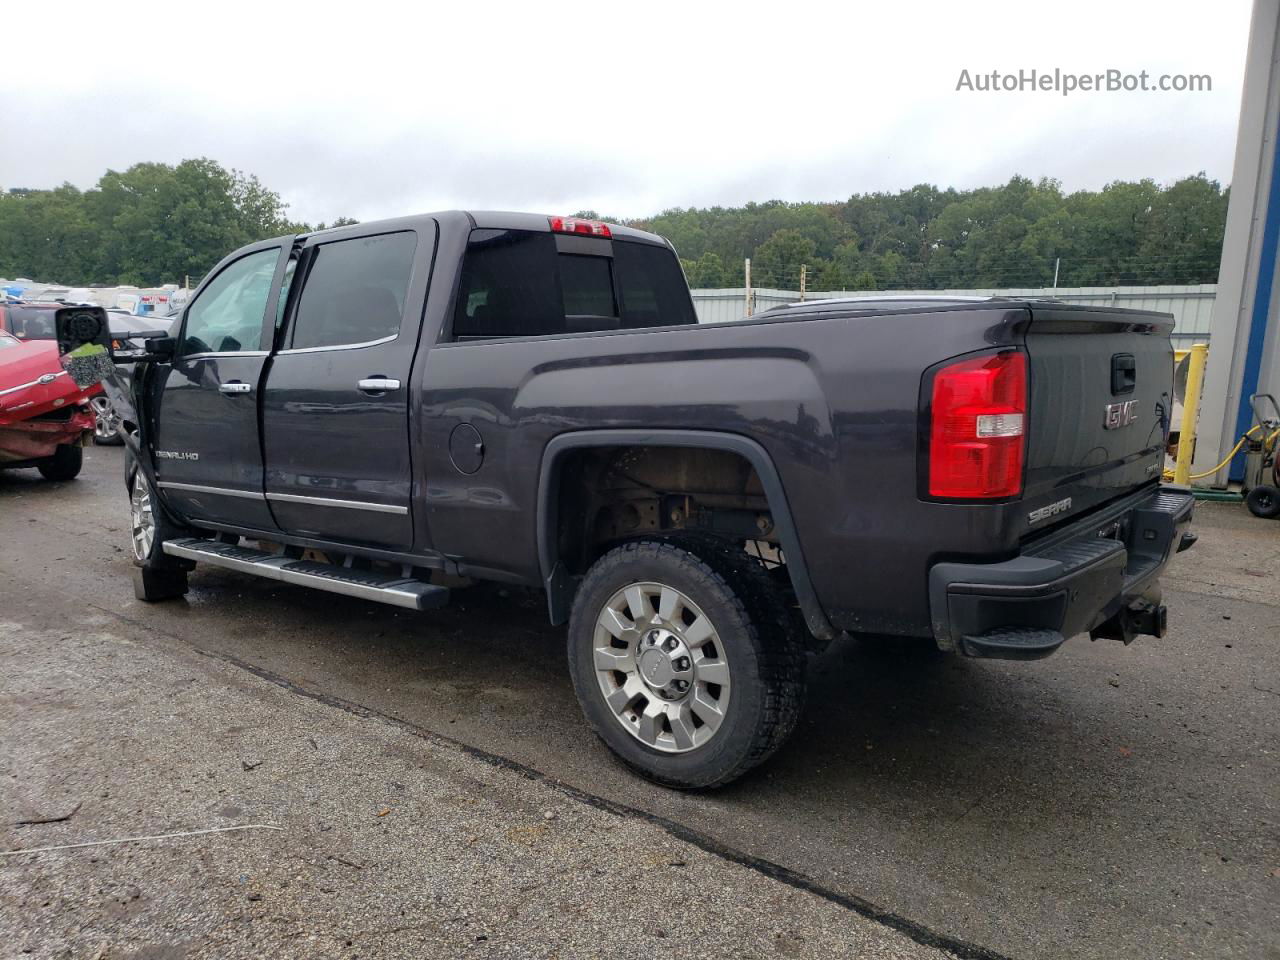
[927, 238]
[158, 223]
[151, 224]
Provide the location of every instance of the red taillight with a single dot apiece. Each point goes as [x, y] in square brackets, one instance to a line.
[592, 228]
[977, 438]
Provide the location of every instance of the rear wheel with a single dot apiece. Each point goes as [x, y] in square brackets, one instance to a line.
[683, 662]
[64, 465]
[1264, 501]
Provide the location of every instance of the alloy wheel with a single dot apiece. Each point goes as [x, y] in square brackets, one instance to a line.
[661, 667]
[142, 519]
[105, 421]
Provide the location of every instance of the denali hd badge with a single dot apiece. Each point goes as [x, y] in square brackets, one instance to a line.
[1052, 510]
[1120, 414]
[177, 455]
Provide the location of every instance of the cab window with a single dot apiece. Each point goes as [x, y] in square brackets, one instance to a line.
[227, 315]
[354, 291]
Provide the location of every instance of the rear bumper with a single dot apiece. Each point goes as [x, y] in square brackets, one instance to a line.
[29, 441]
[1098, 576]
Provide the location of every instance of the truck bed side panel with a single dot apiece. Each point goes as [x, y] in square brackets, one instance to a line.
[833, 401]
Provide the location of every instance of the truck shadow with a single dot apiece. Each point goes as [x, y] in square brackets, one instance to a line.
[918, 737]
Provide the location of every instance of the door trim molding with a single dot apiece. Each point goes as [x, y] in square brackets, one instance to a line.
[201, 488]
[331, 502]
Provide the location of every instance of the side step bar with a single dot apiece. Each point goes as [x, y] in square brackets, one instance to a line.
[365, 584]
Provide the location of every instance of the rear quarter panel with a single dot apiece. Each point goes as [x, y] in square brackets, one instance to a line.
[833, 401]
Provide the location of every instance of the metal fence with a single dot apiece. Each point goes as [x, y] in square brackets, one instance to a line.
[1191, 306]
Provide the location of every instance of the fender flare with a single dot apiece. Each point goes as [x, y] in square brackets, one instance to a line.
[559, 585]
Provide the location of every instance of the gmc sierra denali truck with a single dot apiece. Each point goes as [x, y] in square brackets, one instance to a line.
[532, 400]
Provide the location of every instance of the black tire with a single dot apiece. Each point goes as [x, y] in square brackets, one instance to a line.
[1264, 501]
[64, 465]
[765, 655]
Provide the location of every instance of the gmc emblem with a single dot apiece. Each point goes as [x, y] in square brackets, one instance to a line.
[1120, 414]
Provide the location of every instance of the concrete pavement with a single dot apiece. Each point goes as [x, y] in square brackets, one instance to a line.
[1107, 802]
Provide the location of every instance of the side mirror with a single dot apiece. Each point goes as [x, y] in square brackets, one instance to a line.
[77, 327]
[159, 347]
[84, 344]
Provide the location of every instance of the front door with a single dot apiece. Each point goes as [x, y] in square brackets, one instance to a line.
[335, 404]
[206, 448]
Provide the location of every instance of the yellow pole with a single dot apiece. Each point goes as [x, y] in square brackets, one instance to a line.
[1190, 413]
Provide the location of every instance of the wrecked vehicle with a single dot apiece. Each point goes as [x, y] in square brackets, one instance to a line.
[45, 416]
[532, 400]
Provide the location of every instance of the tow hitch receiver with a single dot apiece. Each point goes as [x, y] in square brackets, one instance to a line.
[1137, 619]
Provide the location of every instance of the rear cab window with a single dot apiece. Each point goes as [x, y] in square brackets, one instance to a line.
[527, 283]
[353, 292]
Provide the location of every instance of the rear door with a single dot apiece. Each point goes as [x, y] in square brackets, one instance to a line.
[335, 407]
[1101, 385]
[206, 446]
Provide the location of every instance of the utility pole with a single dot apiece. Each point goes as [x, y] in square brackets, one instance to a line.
[746, 269]
[804, 271]
[1057, 262]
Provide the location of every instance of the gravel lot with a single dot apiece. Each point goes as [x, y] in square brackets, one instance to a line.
[437, 793]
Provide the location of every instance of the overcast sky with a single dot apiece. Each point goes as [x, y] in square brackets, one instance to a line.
[372, 110]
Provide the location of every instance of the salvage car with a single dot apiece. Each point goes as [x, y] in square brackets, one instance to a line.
[531, 400]
[45, 418]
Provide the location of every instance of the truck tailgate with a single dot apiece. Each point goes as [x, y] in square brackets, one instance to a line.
[1101, 384]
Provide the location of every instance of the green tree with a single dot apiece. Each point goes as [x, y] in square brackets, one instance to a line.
[150, 224]
[707, 272]
[154, 223]
[777, 261]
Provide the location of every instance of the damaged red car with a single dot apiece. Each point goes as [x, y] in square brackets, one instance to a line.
[45, 418]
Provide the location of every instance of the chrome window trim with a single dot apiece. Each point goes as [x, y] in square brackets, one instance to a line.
[341, 346]
[201, 488]
[223, 353]
[331, 502]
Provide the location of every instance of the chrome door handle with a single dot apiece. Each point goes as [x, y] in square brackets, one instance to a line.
[378, 385]
[234, 386]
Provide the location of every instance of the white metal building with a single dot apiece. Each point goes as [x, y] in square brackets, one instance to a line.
[1244, 357]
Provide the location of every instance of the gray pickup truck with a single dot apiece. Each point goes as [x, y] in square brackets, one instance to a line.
[531, 400]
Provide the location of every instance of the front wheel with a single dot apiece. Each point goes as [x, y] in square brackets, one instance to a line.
[156, 575]
[64, 465]
[683, 661]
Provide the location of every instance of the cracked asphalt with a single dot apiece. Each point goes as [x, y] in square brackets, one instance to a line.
[439, 794]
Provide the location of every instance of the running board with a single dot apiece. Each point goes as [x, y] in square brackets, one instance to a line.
[365, 584]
